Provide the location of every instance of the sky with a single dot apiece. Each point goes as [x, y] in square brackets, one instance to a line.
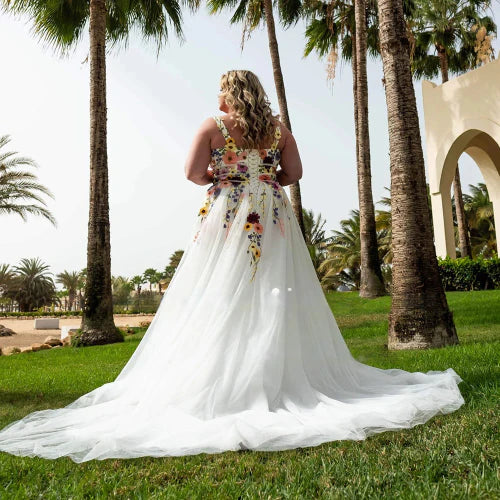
[155, 105]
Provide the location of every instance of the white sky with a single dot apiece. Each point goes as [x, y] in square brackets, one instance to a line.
[154, 108]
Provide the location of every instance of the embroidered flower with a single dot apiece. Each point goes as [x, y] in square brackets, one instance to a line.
[255, 251]
[264, 177]
[230, 157]
[259, 228]
[242, 167]
[243, 156]
[248, 226]
[253, 217]
[263, 153]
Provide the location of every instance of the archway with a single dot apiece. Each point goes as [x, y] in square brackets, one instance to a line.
[461, 116]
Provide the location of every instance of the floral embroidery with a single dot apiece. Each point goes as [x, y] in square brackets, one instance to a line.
[236, 169]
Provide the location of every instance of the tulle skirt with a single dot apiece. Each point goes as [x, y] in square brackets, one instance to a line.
[243, 353]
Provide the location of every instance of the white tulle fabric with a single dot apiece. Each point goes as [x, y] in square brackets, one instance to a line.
[230, 362]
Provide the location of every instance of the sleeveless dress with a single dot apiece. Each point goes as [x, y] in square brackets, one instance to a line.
[243, 352]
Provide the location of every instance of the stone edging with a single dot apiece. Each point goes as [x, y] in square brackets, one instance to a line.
[72, 317]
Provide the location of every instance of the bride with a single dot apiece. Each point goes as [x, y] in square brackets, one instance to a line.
[244, 351]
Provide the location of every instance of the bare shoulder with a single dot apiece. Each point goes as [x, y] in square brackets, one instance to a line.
[208, 124]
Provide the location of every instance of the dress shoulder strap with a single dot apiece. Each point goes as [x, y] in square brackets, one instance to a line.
[277, 137]
[222, 128]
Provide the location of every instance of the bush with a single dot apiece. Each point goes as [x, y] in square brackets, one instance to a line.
[466, 274]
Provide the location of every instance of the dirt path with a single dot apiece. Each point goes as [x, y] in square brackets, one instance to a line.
[27, 335]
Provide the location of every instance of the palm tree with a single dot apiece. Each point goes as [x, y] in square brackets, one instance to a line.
[17, 186]
[7, 277]
[419, 316]
[479, 213]
[384, 229]
[81, 287]
[252, 13]
[70, 281]
[315, 238]
[449, 28]
[61, 23]
[137, 281]
[33, 287]
[372, 283]
[175, 258]
[121, 290]
[167, 275]
[342, 264]
[348, 27]
[150, 276]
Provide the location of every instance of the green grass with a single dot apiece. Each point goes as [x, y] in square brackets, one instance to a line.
[451, 456]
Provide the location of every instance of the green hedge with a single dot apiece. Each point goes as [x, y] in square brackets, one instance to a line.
[470, 274]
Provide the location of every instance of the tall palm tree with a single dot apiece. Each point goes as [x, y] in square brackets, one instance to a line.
[448, 28]
[419, 316]
[252, 13]
[70, 281]
[61, 23]
[350, 28]
[17, 186]
[372, 283]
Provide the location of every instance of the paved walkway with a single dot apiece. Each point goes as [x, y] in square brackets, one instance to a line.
[27, 335]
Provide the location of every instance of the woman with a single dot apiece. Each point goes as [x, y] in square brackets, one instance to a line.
[244, 352]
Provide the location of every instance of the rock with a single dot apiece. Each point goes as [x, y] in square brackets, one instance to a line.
[53, 341]
[45, 346]
[40, 347]
[26, 349]
[66, 341]
[6, 332]
[7, 351]
[56, 346]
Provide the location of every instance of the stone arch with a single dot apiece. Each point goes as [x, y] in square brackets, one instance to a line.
[460, 120]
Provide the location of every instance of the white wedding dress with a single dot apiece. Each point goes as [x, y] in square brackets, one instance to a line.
[243, 352]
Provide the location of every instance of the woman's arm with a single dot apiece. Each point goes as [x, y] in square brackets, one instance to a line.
[199, 156]
[290, 163]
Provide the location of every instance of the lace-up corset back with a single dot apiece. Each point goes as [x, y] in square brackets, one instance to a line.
[235, 165]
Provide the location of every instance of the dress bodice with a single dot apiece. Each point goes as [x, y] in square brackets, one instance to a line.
[233, 165]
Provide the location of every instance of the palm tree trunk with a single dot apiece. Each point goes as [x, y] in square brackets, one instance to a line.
[372, 283]
[463, 230]
[295, 196]
[419, 317]
[97, 319]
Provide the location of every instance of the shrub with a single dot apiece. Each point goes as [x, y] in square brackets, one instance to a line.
[465, 274]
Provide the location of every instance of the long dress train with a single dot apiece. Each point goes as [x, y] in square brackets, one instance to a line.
[243, 352]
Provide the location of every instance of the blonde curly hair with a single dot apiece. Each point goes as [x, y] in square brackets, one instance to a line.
[244, 93]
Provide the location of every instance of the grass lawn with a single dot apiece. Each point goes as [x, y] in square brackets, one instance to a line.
[451, 456]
